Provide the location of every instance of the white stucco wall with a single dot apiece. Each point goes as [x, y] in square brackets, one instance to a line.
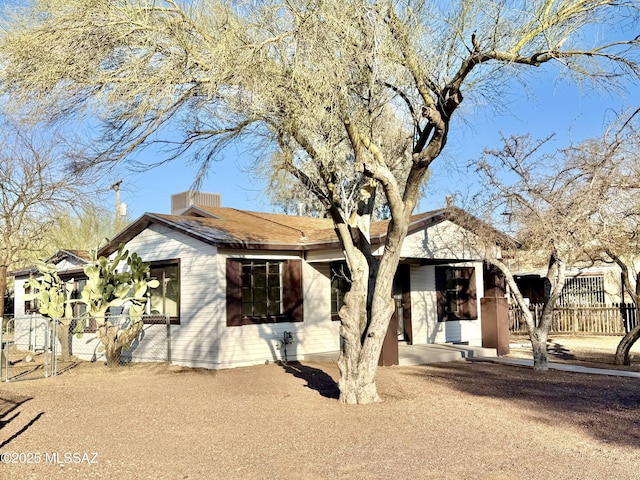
[255, 344]
[30, 332]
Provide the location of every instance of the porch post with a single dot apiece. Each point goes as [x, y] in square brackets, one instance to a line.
[389, 353]
[494, 311]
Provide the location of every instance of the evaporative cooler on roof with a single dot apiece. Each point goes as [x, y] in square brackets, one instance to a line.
[191, 198]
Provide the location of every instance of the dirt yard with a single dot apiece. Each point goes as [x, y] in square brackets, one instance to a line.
[461, 420]
[588, 351]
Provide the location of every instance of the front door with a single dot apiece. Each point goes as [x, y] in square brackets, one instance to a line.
[400, 325]
[402, 298]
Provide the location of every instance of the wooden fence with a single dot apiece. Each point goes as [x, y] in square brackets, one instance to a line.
[615, 319]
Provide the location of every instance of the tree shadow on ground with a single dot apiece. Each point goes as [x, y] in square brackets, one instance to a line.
[22, 430]
[559, 351]
[62, 367]
[35, 371]
[8, 405]
[606, 407]
[21, 371]
[316, 379]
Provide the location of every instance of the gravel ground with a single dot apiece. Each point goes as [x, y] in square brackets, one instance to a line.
[460, 420]
[588, 351]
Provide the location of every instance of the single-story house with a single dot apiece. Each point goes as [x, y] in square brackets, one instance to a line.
[233, 282]
[592, 285]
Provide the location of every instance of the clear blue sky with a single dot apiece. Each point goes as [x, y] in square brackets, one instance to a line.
[547, 108]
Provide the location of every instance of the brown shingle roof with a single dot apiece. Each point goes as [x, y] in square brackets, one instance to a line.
[232, 228]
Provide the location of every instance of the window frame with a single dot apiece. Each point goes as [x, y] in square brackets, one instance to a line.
[290, 275]
[337, 286]
[80, 309]
[261, 287]
[464, 291]
[173, 319]
[30, 306]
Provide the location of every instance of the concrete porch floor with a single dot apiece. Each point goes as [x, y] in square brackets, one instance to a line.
[420, 354]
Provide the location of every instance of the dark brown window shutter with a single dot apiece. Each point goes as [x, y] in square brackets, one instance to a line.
[469, 306]
[293, 290]
[234, 292]
[440, 293]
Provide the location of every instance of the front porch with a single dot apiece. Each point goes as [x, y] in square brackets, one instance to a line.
[420, 354]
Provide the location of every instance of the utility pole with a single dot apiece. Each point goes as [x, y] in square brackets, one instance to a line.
[116, 187]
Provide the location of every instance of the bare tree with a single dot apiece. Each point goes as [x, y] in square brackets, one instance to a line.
[613, 161]
[550, 201]
[572, 207]
[316, 80]
[33, 190]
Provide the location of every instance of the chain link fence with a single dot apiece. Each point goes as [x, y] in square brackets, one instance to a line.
[26, 348]
[36, 347]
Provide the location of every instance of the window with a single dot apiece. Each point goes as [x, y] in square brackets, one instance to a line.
[456, 292]
[587, 290]
[340, 285]
[262, 288]
[165, 299]
[30, 306]
[263, 291]
[79, 308]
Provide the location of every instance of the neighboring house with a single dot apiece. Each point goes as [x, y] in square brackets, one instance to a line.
[233, 282]
[592, 301]
[588, 286]
[69, 263]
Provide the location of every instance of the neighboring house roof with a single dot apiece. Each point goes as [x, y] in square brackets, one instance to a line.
[232, 228]
[73, 258]
[78, 257]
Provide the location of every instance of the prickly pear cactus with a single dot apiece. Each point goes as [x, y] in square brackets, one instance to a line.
[54, 301]
[107, 287]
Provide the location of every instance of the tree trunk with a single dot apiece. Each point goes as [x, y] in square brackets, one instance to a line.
[3, 290]
[62, 333]
[538, 331]
[357, 370]
[540, 334]
[112, 354]
[115, 340]
[358, 373]
[539, 346]
[107, 333]
[365, 318]
[358, 383]
[622, 356]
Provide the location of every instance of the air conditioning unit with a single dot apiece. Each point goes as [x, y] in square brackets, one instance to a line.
[192, 198]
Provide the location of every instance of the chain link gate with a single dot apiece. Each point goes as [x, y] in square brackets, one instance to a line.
[31, 346]
[26, 348]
